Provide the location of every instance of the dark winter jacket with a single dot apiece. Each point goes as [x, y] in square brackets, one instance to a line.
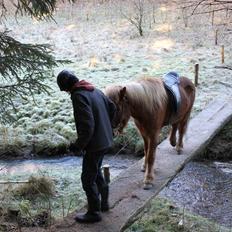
[93, 114]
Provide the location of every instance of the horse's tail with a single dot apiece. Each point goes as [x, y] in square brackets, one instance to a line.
[190, 90]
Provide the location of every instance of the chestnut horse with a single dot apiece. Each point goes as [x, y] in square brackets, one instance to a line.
[151, 106]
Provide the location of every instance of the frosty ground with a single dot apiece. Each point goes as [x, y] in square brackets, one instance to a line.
[105, 48]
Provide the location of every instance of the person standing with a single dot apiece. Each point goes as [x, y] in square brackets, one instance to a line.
[93, 114]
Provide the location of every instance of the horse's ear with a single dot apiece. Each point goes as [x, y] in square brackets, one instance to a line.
[122, 93]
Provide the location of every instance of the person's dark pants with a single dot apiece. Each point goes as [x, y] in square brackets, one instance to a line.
[93, 181]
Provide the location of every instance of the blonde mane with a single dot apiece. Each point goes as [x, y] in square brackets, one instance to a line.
[147, 92]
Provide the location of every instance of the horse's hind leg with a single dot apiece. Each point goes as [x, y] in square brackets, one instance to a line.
[172, 137]
[182, 129]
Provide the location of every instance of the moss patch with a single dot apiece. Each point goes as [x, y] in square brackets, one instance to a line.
[164, 216]
[220, 148]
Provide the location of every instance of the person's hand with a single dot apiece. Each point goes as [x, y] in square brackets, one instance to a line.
[73, 148]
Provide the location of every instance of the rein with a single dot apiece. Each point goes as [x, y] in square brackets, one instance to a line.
[125, 145]
[120, 125]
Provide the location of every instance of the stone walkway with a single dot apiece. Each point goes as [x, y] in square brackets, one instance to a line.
[127, 196]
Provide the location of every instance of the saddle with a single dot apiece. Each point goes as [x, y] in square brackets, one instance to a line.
[171, 82]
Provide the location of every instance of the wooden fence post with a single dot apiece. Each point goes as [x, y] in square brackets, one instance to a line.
[196, 74]
[106, 172]
[212, 22]
[216, 37]
[223, 54]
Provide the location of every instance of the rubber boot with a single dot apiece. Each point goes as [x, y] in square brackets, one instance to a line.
[93, 214]
[89, 217]
[104, 199]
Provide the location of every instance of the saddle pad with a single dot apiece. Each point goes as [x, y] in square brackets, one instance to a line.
[171, 82]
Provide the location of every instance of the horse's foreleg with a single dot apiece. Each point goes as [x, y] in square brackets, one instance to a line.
[149, 174]
[144, 165]
[172, 138]
[145, 140]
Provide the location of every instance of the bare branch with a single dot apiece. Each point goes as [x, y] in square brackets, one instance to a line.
[207, 6]
[138, 14]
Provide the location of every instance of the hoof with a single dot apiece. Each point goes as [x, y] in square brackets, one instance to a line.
[147, 186]
[179, 150]
[143, 168]
[173, 143]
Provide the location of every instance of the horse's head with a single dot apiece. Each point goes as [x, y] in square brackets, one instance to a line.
[119, 96]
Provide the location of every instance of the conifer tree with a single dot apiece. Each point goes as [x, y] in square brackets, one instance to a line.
[23, 66]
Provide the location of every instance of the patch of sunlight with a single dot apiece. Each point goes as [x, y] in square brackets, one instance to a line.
[118, 58]
[163, 8]
[156, 65]
[164, 43]
[70, 26]
[25, 168]
[163, 27]
[35, 20]
[124, 23]
[218, 20]
[93, 62]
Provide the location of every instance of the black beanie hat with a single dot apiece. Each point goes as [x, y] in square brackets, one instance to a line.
[66, 80]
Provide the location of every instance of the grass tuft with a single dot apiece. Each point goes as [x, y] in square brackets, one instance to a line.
[36, 187]
[163, 216]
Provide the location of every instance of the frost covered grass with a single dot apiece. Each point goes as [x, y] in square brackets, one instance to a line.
[35, 187]
[105, 49]
[163, 216]
[63, 196]
[56, 187]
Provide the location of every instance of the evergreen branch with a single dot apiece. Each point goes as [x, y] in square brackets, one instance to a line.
[35, 8]
[23, 69]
